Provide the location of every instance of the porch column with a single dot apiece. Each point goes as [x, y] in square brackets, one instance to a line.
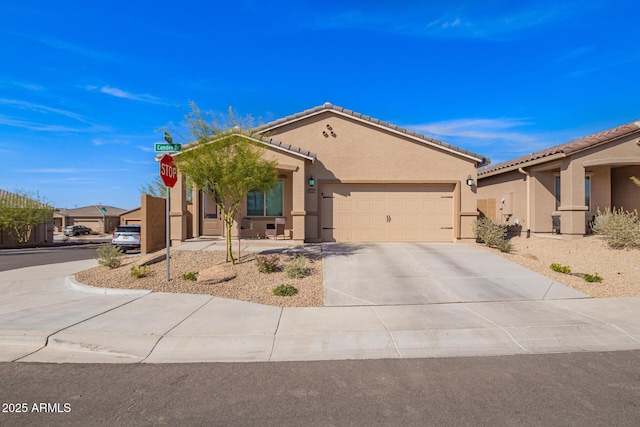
[298, 212]
[572, 208]
[197, 212]
[178, 212]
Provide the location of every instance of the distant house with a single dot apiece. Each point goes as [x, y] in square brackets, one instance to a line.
[99, 218]
[133, 216]
[561, 188]
[40, 234]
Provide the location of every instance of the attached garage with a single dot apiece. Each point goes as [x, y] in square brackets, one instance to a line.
[387, 212]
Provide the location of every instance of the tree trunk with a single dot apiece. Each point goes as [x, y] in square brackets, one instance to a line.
[229, 249]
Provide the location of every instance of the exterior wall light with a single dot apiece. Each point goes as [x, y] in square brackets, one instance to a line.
[469, 181]
[312, 182]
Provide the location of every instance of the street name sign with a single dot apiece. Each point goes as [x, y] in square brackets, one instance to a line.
[162, 147]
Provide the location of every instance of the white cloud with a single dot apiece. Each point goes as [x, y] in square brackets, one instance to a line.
[68, 170]
[499, 139]
[478, 129]
[113, 141]
[43, 127]
[119, 93]
[43, 109]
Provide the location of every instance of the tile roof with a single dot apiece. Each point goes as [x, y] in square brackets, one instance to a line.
[567, 148]
[266, 141]
[90, 211]
[327, 106]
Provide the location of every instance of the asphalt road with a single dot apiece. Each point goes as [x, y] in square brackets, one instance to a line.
[19, 258]
[581, 389]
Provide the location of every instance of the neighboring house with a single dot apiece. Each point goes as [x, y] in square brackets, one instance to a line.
[560, 189]
[40, 234]
[347, 177]
[99, 218]
[133, 216]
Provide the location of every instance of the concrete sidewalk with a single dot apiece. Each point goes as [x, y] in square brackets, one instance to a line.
[46, 317]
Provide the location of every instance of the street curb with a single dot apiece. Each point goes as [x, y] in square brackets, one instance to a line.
[72, 283]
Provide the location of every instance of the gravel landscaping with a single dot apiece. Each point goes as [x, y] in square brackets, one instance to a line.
[249, 285]
[619, 269]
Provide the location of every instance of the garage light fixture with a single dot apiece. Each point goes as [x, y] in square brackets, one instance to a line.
[469, 181]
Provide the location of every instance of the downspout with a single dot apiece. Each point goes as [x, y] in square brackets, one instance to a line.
[525, 173]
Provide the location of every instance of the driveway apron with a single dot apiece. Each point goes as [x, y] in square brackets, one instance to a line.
[428, 273]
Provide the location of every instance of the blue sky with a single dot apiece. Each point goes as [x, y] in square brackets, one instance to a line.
[86, 86]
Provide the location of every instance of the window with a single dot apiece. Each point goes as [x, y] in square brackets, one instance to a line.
[587, 192]
[557, 191]
[266, 204]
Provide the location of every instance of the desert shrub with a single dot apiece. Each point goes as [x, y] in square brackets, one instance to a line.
[285, 290]
[296, 268]
[561, 268]
[139, 271]
[504, 246]
[621, 228]
[492, 234]
[109, 256]
[190, 276]
[592, 278]
[268, 263]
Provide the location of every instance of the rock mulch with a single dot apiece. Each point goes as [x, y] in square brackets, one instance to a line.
[619, 268]
[248, 285]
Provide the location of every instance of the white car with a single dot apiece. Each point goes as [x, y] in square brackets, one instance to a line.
[127, 237]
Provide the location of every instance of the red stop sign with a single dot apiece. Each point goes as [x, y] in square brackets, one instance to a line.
[168, 171]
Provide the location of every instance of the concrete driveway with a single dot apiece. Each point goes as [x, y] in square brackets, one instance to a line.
[428, 273]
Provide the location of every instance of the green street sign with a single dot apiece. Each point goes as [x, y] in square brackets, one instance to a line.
[163, 148]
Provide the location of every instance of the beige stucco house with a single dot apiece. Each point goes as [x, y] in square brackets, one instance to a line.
[99, 218]
[347, 177]
[560, 189]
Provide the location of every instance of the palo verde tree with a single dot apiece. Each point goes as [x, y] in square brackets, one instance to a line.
[20, 212]
[225, 162]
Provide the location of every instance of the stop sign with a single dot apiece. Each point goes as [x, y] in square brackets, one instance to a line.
[168, 171]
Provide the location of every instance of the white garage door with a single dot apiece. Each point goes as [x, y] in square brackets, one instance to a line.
[387, 213]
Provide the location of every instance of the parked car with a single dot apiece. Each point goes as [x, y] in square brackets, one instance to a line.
[75, 230]
[127, 237]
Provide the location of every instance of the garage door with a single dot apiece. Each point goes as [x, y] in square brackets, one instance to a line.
[387, 213]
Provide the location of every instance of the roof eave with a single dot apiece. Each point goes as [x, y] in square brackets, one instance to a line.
[526, 164]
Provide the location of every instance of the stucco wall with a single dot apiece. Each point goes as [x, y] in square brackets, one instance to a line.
[362, 152]
[508, 192]
[153, 215]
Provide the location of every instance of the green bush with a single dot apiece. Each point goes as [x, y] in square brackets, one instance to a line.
[285, 290]
[139, 271]
[268, 263]
[504, 246]
[492, 234]
[620, 228]
[296, 268]
[190, 276]
[561, 268]
[592, 278]
[109, 256]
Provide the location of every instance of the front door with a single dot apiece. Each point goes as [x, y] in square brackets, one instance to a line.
[211, 220]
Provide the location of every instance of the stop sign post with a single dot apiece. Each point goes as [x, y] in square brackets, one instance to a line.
[169, 175]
